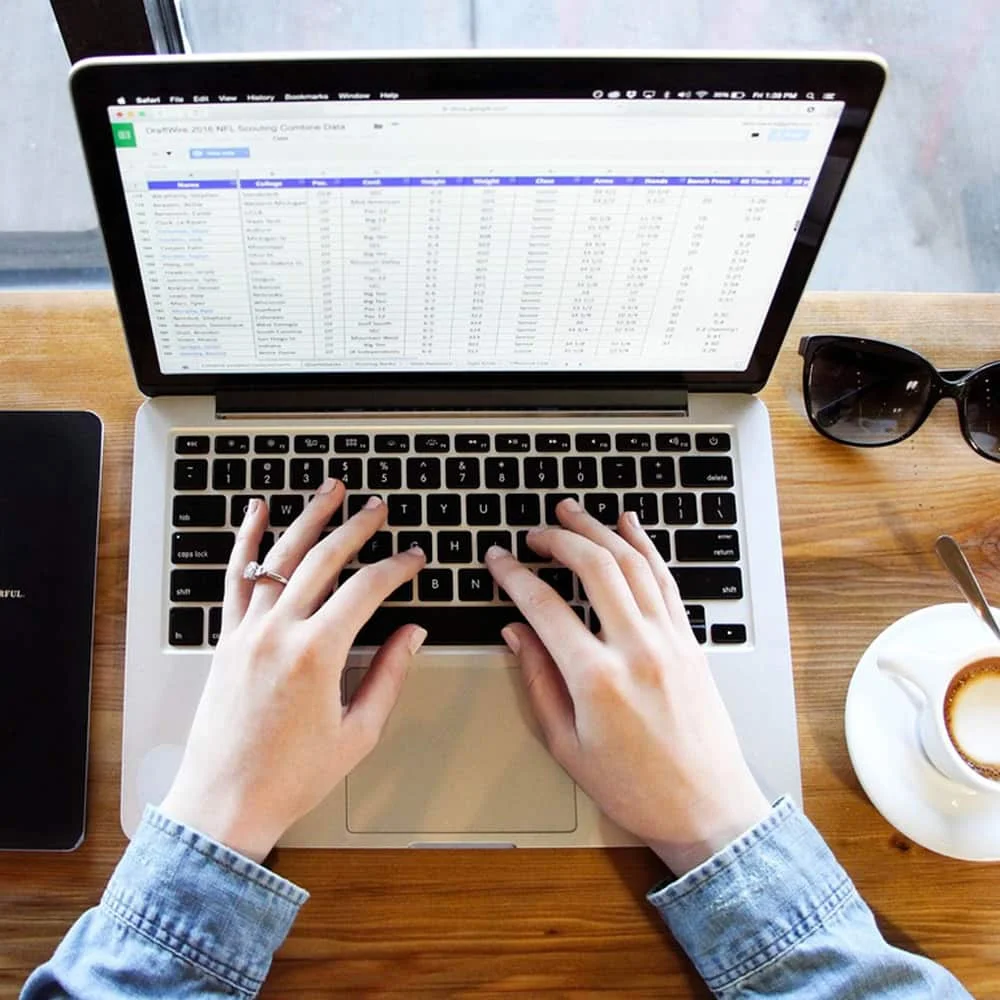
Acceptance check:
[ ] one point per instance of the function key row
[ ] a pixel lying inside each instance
(588, 443)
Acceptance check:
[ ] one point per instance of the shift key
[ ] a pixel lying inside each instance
(203, 586)
(706, 583)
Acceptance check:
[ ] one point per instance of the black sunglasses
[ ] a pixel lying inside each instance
(868, 393)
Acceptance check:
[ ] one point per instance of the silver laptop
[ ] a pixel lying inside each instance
(473, 283)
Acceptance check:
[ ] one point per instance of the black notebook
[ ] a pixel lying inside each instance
(50, 478)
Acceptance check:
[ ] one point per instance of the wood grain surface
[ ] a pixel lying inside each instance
(858, 530)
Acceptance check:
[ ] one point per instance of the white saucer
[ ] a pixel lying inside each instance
(881, 726)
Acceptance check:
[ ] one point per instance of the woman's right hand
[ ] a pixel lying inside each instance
(633, 714)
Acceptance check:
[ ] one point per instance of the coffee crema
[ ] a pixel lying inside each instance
(972, 716)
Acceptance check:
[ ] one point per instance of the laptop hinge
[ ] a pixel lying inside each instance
(235, 403)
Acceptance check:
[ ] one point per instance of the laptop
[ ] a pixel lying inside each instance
(472, 283)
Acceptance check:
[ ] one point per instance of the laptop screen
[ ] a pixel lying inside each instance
(618, 230)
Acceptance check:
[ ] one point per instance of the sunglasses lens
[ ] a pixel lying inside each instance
(982, 411)
(866, 397)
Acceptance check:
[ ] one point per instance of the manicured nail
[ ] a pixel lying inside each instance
(373, 503)
(569, 504)
(535, 531)
(510, 637)
(416, 550)
(328, 487)
(632, 518)
(496, 552)
(252, 506)
(416, 639)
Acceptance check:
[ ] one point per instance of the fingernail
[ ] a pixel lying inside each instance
(328, 487)
(510, 637)
(571, 505)
(372, 503)
(416, 639)
(632, 518)
(416, 550)
(535, 531)
(252, 506)
(496, 552)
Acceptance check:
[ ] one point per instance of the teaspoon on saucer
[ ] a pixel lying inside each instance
(954, 560)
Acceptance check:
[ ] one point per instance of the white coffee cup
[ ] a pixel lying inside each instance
(959, 710)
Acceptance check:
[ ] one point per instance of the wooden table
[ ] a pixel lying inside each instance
(858, 529)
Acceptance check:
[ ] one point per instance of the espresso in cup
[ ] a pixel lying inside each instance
(972, 716)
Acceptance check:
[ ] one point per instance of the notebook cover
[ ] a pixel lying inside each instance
(50, 484)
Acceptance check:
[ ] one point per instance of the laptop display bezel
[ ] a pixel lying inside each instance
(97, 84)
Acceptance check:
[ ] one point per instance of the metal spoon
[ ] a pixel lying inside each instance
(955, 562)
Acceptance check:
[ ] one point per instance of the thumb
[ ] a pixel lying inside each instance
(546, 688)
(378, 692)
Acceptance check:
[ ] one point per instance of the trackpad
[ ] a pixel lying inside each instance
(461, 753)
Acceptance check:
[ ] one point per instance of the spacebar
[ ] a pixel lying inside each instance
(446, 626)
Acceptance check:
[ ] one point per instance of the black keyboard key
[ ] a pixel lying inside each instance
(238, 507)
(191, 474)
(348, 471)
(271, 444)
(486, 539)
(379, 546)
(472, 442)
(214, 626)
(482, 508)
(525, 553)
(191, 444)
(461, 473)
(432, 442)
(673, 442)
(453, 626)
(551, 442)
(709, 471)
(729, 634)
(602, 506)
(199, 512)
(541, 473)
(595, 622)
(580, 473)
(707, 546)
(268, 474)
(350, 444)
(593, 442)
(661, 540)
(718, 508)
(404, 592)
(407, 539)
(695, 614)
(706, 583)
(679, 508)
(208, 548)
(186, 627)
(232, 444)
(229, 474)
(632, 442)
(423, 473)
(712, 442)
(266, 544)
(523, 508)
(454, 546)
(699, 633)
(442, 509)
(307, 473)
(355, 501)
(316, 444)
(552, 500)
(405, 509)
(285, 508)
(644, 505)
(618, 470)
(512, 442)
(435, 585)
(392, 442)
(336, 518)
(559, 579)
(475, 585)
(200, 586)
(657, 472)
(385, 473)
(502, 474)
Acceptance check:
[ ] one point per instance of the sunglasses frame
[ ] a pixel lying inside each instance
(948, 383)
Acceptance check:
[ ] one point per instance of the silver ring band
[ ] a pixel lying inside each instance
(253, 571)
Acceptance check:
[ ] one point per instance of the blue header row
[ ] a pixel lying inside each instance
(429, 182)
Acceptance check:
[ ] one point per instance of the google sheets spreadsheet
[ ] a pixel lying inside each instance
(425, 235)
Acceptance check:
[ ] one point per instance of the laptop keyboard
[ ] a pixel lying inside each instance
(456, 495)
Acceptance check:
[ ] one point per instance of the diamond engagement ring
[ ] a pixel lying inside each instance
(253, 571)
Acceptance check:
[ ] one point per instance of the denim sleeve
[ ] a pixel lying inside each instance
(773, 914)
(182, 916)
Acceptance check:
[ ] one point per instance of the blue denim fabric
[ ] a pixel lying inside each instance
(182, 916)
(773, 914)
